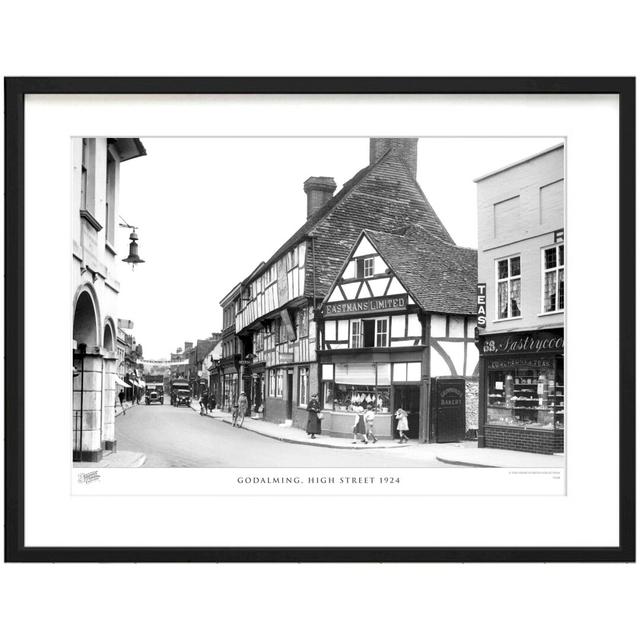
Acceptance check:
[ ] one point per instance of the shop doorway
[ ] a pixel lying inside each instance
(289, 395)
(448, 402)
(407, 397)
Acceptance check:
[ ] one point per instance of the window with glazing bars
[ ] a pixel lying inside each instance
(553, 279)
(509, 287)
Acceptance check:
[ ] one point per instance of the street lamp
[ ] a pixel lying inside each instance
(133, 258)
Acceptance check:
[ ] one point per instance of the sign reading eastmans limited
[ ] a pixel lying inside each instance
(365, 306)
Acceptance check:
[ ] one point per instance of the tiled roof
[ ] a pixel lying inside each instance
(385, 197)
(381, 195)
(441, 276)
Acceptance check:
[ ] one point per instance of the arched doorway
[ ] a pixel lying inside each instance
(107, 338)
(87, 380)
(85, 321)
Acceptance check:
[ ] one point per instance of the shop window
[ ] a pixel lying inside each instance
(530, 395)
(509, 287)
(553, 279)
(327, 395)
(303, 386)
(358, 384)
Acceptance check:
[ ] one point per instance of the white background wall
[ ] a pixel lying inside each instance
(464, 38)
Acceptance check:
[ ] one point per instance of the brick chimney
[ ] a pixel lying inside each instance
(188, 345)
(319, 191)
(406, 148)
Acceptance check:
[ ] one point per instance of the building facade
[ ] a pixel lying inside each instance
(274, 332)
(95, 166)
(521, 304)
(225, 372)
(394, 336)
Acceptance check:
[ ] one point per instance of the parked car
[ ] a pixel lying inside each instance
(154, 393)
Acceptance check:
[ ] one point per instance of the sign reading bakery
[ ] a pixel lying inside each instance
(512, 343)
(365, 306)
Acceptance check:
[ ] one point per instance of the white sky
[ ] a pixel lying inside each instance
(210, 209)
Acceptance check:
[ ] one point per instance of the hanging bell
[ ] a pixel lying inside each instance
(133, 258)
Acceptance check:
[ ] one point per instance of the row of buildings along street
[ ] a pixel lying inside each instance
(369, 305)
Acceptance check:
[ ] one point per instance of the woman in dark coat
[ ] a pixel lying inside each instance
(313, 424)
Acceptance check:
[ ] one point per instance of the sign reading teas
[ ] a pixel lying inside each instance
(482, 304)
(365, 306)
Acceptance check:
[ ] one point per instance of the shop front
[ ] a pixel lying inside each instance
(522, 398)
(384, 381)
(230, 382)
(254, 388)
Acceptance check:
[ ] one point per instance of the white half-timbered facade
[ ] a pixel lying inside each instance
(383, 338)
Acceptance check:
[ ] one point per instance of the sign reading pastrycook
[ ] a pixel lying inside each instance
(538, 342)
(365, 306)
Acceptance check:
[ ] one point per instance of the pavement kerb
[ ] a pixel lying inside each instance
(119, 411)
(311, 443)
(460, 463)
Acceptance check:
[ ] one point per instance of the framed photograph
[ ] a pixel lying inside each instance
(320, 319)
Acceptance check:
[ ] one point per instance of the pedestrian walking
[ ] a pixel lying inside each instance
(369, 418)
(138, 394)
(121, 397)
(204, 403)
(403, 424)
(212, 401)
(240, 410)
(314, 426)
(359, 427)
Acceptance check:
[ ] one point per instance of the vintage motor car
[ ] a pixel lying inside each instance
(180, 392)
(154, 393)
(183, 397)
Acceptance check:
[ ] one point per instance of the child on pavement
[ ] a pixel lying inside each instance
(403, 424)
(359, 427)
(369, 418)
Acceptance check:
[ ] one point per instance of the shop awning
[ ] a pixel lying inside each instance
(122, 383)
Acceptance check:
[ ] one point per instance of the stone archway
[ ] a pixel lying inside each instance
(85, 320)
(108, 339)
(88, 379)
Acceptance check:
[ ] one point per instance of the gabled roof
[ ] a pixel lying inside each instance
(440, 276)
(381, 195)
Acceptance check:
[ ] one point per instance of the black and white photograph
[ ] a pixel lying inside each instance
(292, 302)
(309, 304)
(361, 311)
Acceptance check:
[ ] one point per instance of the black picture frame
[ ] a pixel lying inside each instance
(15, 91)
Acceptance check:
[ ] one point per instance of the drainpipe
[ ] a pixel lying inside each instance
(82, 348)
